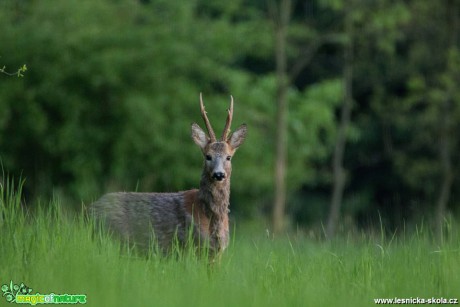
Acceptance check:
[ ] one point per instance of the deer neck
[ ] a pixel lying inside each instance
(215, 198)
(214, 195)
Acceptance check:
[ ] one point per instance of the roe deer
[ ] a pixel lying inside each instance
(161, 218)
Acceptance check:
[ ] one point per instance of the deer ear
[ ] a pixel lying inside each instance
(237, 137)
(199, 136)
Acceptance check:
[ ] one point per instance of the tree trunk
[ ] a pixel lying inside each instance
(445, 159)
(337, 167)
(281, 23)
(445, 136)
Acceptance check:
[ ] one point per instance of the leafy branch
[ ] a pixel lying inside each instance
(20, 72)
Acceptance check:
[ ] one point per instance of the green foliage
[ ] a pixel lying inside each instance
(430, 71)
(109, 101)
(313, 125)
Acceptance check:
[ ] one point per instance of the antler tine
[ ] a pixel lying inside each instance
(228, 122)
(212, 135)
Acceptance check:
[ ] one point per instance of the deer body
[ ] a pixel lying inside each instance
(162, 218)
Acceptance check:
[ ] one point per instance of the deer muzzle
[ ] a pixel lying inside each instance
(218, 172)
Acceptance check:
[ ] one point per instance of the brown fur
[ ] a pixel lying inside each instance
(195, 209)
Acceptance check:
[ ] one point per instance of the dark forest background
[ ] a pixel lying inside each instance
(352, 107)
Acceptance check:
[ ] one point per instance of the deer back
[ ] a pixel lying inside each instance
(153, 218)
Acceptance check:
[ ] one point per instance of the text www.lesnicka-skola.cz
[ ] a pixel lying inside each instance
(416, 300)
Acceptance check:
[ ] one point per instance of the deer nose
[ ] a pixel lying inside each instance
(218, 176)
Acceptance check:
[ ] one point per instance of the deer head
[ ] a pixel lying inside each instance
(218, 153)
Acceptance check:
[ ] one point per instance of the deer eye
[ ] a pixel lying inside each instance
(208, 157)
(229, 158)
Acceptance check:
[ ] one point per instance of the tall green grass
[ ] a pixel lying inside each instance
(54, 252)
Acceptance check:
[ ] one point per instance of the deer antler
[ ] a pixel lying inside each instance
(229, 121)
(211, 133)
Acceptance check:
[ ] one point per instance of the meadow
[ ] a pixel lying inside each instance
(52, 251)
